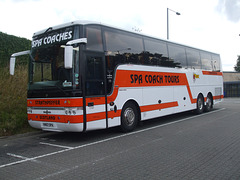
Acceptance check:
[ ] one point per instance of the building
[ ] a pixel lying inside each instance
(231, 76)
(231, 82)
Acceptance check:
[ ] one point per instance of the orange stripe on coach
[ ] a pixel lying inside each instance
(56, 118)
(212, 73)
(126, 78)
(158, 106)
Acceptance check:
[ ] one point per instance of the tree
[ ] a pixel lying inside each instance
(237, 66)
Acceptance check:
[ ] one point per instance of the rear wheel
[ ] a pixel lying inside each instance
(200, 104)
(129, 117)
(209, 103)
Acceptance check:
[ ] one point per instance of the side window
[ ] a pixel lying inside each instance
(94, 75)
(123, 43)
(156, 53)
(178, 55)
(121, 48)
(206, 60)
(193, 58)
(216, 66)
(94, 39)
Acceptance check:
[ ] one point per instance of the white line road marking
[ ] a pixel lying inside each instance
(21, 157)
(108, 139)
(17, 156)
(55, 145)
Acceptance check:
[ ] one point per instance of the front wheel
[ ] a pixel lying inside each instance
(200, 104)
(129, 117)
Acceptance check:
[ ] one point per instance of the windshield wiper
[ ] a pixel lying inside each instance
(55, 85)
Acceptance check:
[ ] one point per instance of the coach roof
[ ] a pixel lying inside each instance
(86, 22)
(82, 22)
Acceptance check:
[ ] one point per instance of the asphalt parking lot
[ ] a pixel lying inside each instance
(181, 146)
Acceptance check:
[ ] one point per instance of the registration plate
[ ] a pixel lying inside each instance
(48, 125)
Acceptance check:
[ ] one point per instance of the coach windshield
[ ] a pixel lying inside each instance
(47, 75)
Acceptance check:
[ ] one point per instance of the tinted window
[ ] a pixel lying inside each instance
(94, 75)
(178, 55)
(155, 46)
(156, 53)
(121, 48)
(120, 43)
(206, 60)
(193, 58)
(94, 39)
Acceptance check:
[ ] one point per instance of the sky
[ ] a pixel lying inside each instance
(212, 25)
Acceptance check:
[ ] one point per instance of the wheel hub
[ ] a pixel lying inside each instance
(200, 104)
(129, 116)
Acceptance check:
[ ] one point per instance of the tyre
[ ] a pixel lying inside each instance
(209, 103)
(129, 117)
(200, 104)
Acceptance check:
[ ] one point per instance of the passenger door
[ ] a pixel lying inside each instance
(95, 91)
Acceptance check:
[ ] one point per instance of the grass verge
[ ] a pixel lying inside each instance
(13, 101)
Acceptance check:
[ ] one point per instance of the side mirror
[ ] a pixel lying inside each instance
(68, 57)
(13, 59)
(68, 54)
(12, 65)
